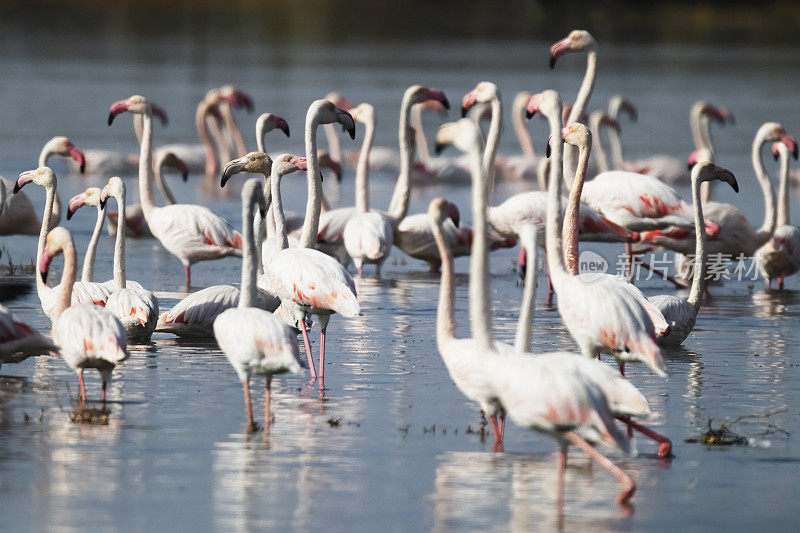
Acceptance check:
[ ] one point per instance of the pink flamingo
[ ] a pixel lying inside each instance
(779, 257)
(88, 336)
(191, 233)
(18, 341)
(83, 293)
(254, 340)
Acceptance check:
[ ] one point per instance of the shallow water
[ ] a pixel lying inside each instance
(391, 443)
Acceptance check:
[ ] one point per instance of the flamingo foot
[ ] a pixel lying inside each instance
(664, 444)
(629, 487)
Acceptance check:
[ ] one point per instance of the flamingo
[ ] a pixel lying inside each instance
(779, 257)
(227, 97)
(254, 340)
(88, 336)
(681, 314)
(136, 308)
(135, 223)
(19, 216)
(368, 235)
(18, 341)
(83, 293)
(545, 393)
(524, 166)
(191, 233)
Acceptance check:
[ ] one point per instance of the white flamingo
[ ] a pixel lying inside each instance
(368, 235)
(19, 216)
(18, 341)
(88, 336)
(135, 307)
(82, 293)
(191, 233)
(681, 314)
(254, 340)
(779, 257)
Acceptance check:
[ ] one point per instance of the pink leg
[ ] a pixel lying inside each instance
(562, 469)
(502, 426)
(188, 271)
(629, 266)
(322, 356)
(82, 387)
(621, 368)
(308, 350)
(498, 434)
(630, 486)
(103, 394)
(664, 444)
(360, 271)
(267, 401)
(248, 405)
(780, 283)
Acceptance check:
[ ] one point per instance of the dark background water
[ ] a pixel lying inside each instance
(392, 443)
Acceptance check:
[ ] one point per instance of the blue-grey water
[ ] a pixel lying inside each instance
(392, 444)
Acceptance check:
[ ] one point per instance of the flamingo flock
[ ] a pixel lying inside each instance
(302, 269)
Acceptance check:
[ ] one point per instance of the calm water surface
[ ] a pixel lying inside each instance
(391, 443)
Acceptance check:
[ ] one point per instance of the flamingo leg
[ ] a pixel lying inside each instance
(267, 401)
(621, 368)
(82, 387)
(629, 265)
(502, 426)
(664, 444)
(780, 283)
(605, 462)
(248, 405)
(308, 350)
(562, 470)
(103, 393)
(188, 271)
(322, 332)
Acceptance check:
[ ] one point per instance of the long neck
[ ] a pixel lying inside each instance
(50, 193)
(445, 315)
(694, 125)
(783, 192)
(314, 204)
(233, 130)
(579, 108)
(261, 224)
(64, 295)
(570, 232)
(146, 194)
(44, 155)
(201, 124)
(250, 260)
(555, 258)
(419, 133)
(398, 206)
(768, 226)
(523, 135)
(87, 274)
(120, 278)
(704, 135)
(522, 341)
(596, 126)
(277, 211)
(698, 279)
(479, 312)
(362, 169)
(162, 185)
(493, 141)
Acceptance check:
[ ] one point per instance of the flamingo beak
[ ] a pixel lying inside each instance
(439, 147)
(727, 176)
(77, 155)
(346, 120)
(242, 99)
(44, 263)
(24, 179)
(160, 113)
(300, 162)
(282, 125)
(631, 109)
(337, 170)
(692, 161)
(533, 105)
(469, 100)
(76, 203)
(790, 143)
(775, 151)
(104, 197)
(454, 213)
(232, 168)
(117, 108)
(549, 148)
(559, 49)
(436, 94)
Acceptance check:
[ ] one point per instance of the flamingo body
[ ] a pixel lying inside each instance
(90, 337)
(18, 341)
(368, 238)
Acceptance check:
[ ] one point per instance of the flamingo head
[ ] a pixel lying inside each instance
(364, 113)
(62, 146)
(601, 118)
(42, 176)
(169, 159)
(620, 104)
(268, 122)
(114, 188)
(235, 97)
(417, 94)
(90, 196)
(325, 160)
(464, 134)
(438, 211)
(721, 115)
(288, 163)
(547, 103)
(57, 241)
(454, 214)
(704, 154)
(339, 101)
(576, 41)
(484, 92)
(254, 163)
(137, 104)
(576, 134)
(434, 106)
(774, 132)
(325, 112)
(708, 171)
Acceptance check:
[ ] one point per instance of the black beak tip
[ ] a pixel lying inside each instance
(44, 276)
(286, 131)
(795, 153)
(552, 62)
(548, 150)
(223, 180)
(16, 188)
(70, 212)
(439, 148)
(689, 166)
(529, 114)
(352, 132)
(321, 177)
(185, 175)
(83, 167)
(735, 185)
(103, 204)
(463, 111)
(110, 118)
(446, 104)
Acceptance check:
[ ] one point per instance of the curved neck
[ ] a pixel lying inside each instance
(398, 206)
(571, 217)
(201, 124)
(247, 294)
(555, 258)
(50, 194)
(596, 126)
(523, 135)
(421, 140)
(579, 108)
(64, 295)
(479, 304)
(120, 278)
(445, 314)
(233, 130)
(783, 218)
(87, 274)
(162, 185)
(768, 225)
(308, 238)
(522, 341)
(362, 169)
(493, 141)
(44, 155)
(277, 211)
(260, 228)
(146, 194)
(694, 125)
(704, 136)
(698, 278)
